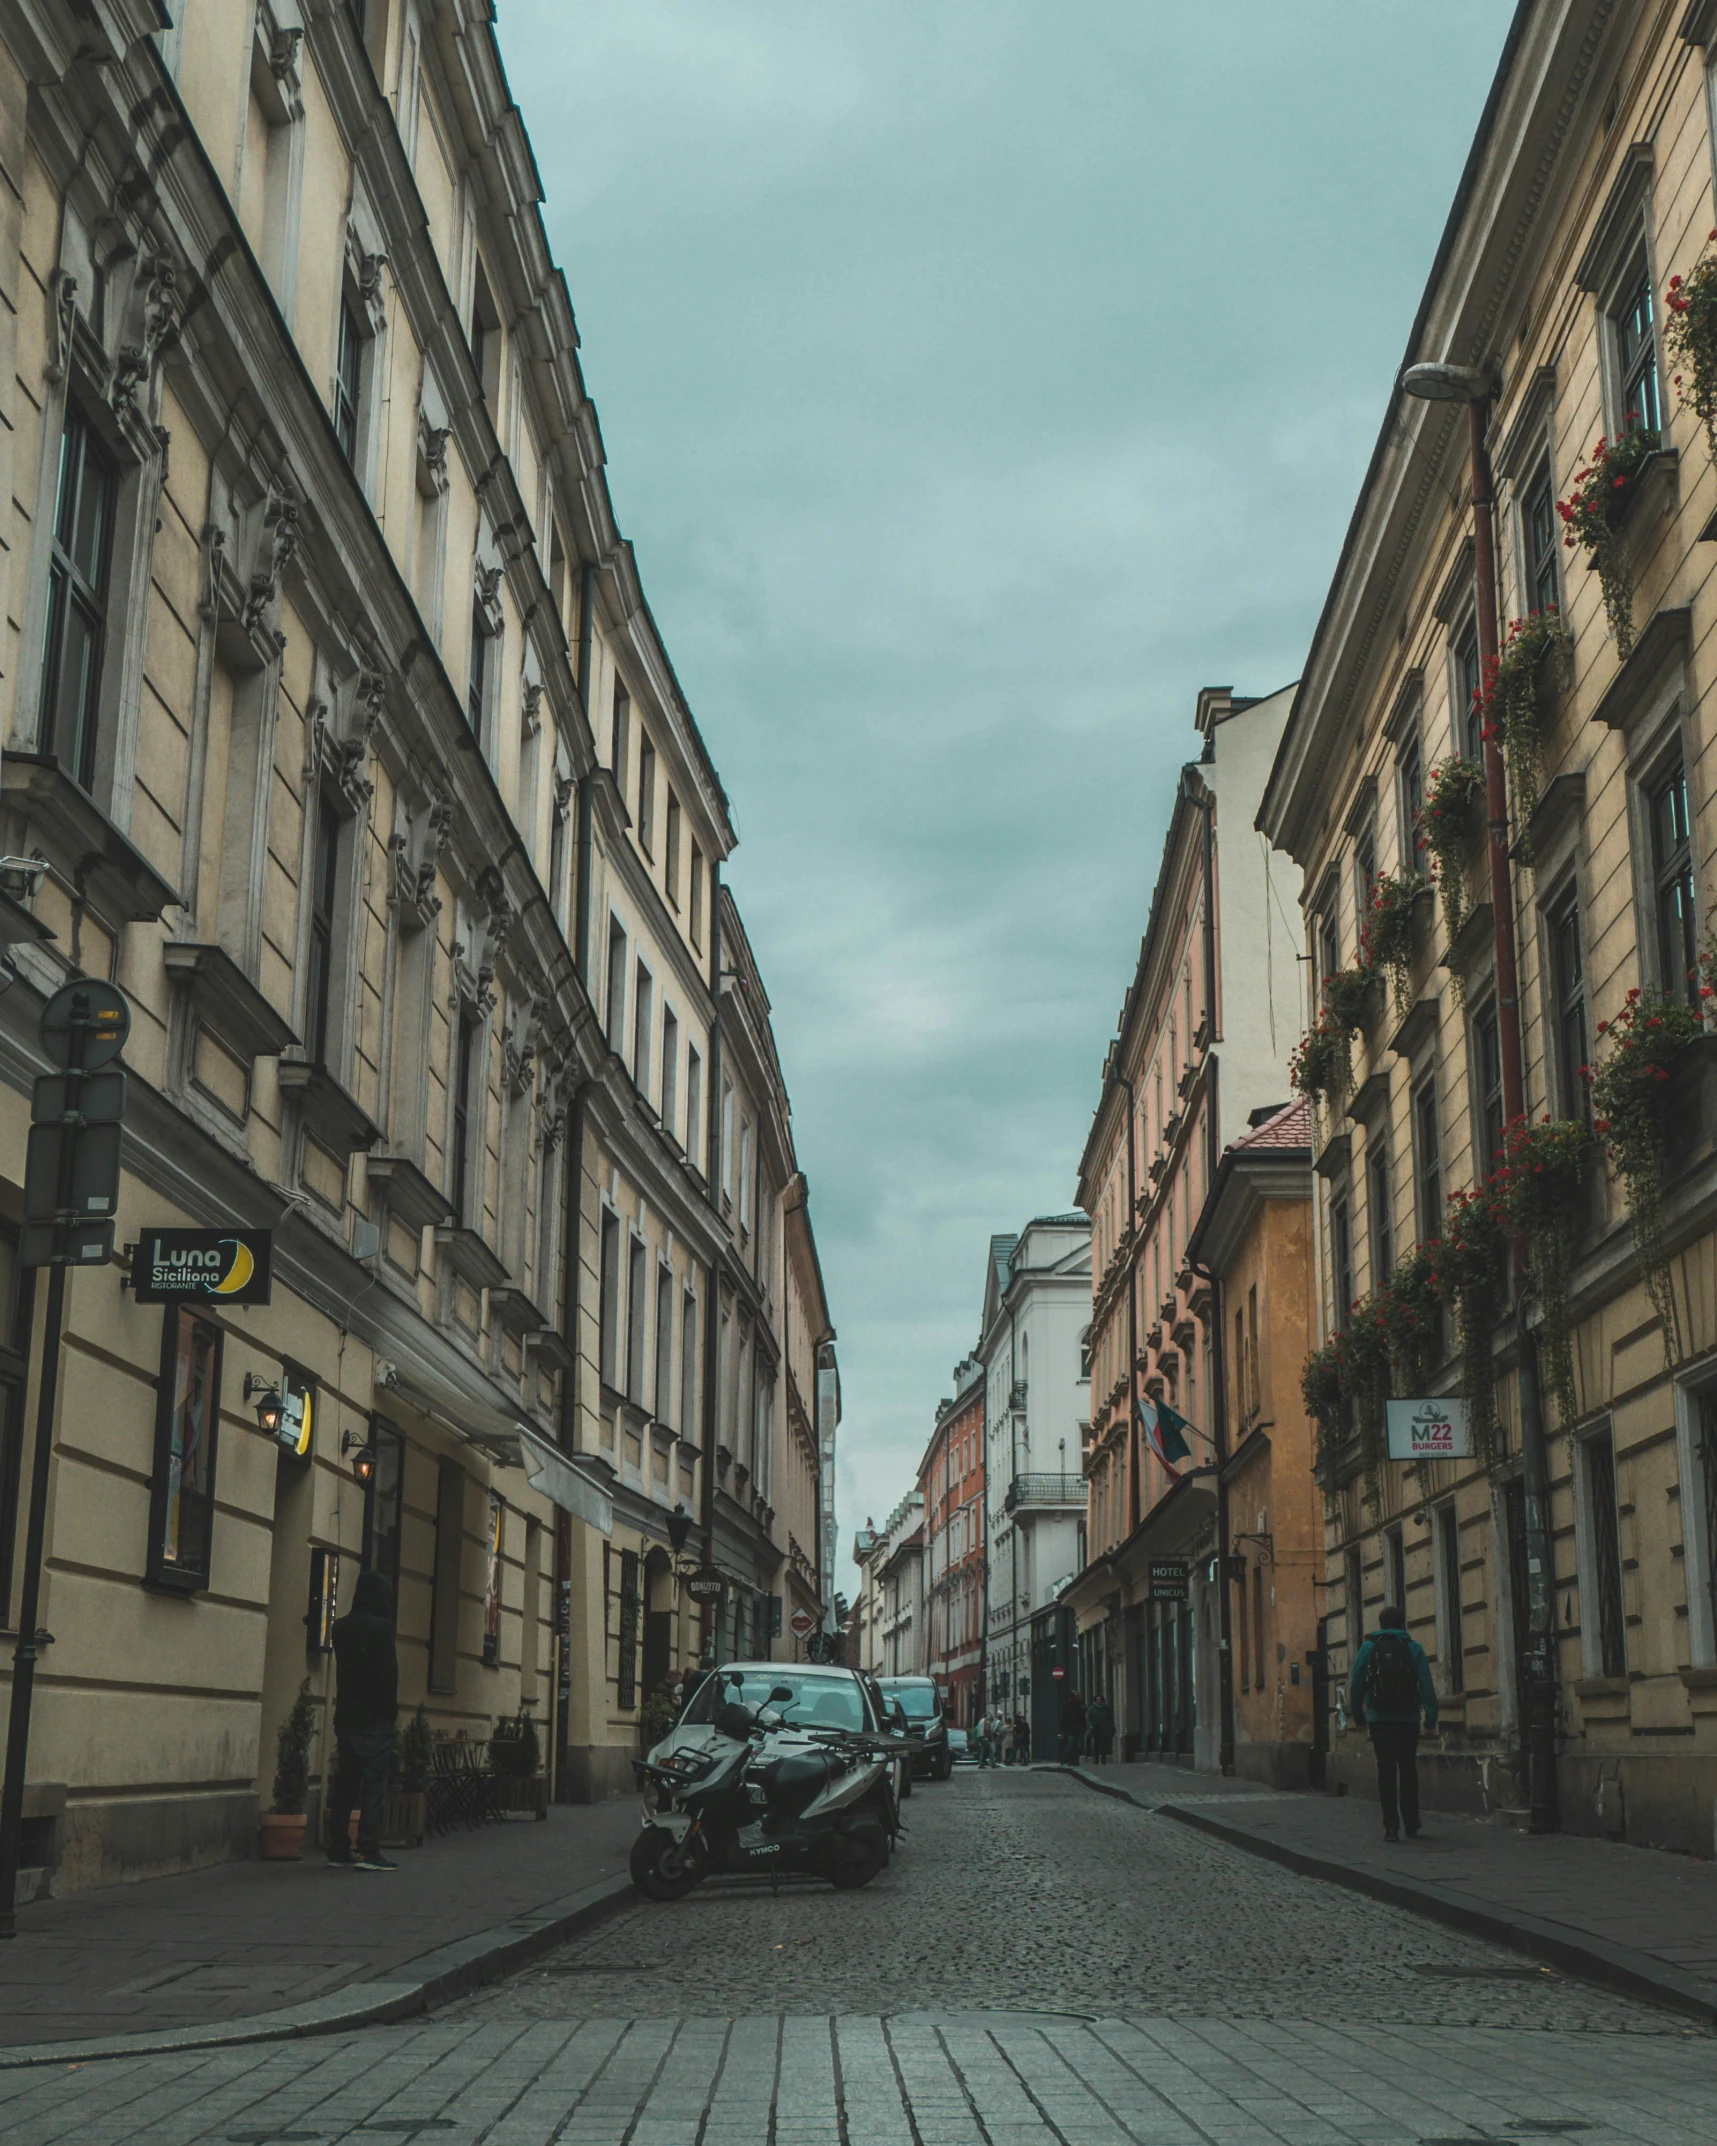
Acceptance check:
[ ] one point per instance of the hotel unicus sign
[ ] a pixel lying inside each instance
(1168, 1579)
(187, 1266)
(1429, 1430)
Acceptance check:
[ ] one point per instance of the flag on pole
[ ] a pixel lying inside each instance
(1165, 1433)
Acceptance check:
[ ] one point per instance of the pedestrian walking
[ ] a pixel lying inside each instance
(1021, 1740)
(1389, 1690)
(987, 1726)
(1101, 1723)
(1072, 1726)
(365, 1704)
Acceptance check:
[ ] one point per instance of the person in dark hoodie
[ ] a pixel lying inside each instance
(365, 1704)
(1390, 1688)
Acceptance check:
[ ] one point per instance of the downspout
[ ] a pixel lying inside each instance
(572, 1231)
(712, 1324)
(581, 914)
(1134, 1514)
(1219, 1415)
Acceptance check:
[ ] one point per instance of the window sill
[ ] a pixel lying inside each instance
(88, 852)
(325, 1103)
(182, 1584)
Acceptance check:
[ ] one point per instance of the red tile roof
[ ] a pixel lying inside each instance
(1291, 1127)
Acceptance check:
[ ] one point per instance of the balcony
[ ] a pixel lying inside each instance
(1045, 1493)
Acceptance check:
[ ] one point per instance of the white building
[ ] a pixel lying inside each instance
(1037, 1305)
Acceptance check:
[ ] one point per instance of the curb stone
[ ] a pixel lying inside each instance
(1593, 1959)
(420, 1985)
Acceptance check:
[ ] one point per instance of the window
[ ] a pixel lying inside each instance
(1605, 1562)
(643, 1012)
(1468, 722)
(1395, 1568)
(688, 1366)
(486, 337)
(16, 1303)
(1427, 1160)
(464, 1084)
(384, 1501)
(1353, 1613)
(697, 896)
(1258, 1676)
(670, 1072)
(492, 1543)
(1449, 1579)
(609, 1303)
(348, 380)
(1705, 1436)
(1538, 540)
(1672, 873)
(1379, 1222)
(477, 678)
(671, 855)
(1636, 354)
(1487, 1090)
(635, 1308)
(1329, 961)
(1364, 870)
(1341, 1263)
(1245, 1627)
(77, 598)
(727, 1141)
(646, 796)
(324, 891)
(1254, 1382)
(664, 1396)
(616, 984)
(1410, 789)
(745, 1167)
(694, 1107)
(1568, 985)
(187, 1431)
(618, 732)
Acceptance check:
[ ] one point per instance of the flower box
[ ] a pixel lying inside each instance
(525, 1793)
(405, 1818)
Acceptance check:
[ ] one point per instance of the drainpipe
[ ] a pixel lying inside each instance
(581, 913)
(1134, 1457)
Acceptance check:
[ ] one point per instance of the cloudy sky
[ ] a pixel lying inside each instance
(978, 380)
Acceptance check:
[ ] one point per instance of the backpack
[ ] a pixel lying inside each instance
(1392, 1679)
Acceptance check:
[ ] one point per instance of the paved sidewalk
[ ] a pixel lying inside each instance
(1636, 1919)
(299, 1947)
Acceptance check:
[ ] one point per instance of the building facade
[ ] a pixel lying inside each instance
(338, 733)
(1254, 1240)
(1202, 1044)
(900, 1591)
(1031, 1348)
(951, 1484)
(1589, 190)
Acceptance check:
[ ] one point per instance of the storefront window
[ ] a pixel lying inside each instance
(187, 1420)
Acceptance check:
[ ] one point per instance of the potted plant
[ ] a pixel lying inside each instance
(1321, 1391)
(1466, 1270)
(655, 1717)
(1630, 1093)
(1538, 1188)
(1319, 1065)
(515, 1759)
(405, 1813)
(1593, 515)
(1515, 700)
(282, 1825)
(1388, 939)
(1690, 339)
(1449, 817)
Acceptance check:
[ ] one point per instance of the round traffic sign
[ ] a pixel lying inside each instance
(803, 1623)
(101, 1011)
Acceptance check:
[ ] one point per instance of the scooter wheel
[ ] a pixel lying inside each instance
(858, 1858)
(649, 1851)
(905, 1781)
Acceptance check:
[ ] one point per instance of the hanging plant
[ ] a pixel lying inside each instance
(1690, 338)
(1592, 517)
(1630, 1096)
(1412, 1321)
(1321, 1390)
(1449, 817)
(1347, 998)
(1466, 1271)
(1319, 1065)
(1387, 937)
(1512, 703)
(1538, 1190)
(1365, 1383)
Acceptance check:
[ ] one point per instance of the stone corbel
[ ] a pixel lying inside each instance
(214, 565)
(532, 716)
(65, 307)
(487, 589)
(519, 1044)
(563, 789)
(275, 543)
(432, 455)
(368, 272)
(156, 315)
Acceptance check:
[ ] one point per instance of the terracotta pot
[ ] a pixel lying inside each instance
(282, 1836)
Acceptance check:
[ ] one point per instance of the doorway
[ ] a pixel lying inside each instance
(658, 1621)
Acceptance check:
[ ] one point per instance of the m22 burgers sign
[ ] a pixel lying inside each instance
(1429, 1430)
(187, 1266)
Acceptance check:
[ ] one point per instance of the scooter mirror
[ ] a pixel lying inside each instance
(781, 1692)
(734, 1721)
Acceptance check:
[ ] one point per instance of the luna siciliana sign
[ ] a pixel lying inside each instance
(186, 1266)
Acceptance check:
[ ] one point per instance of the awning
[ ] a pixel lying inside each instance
(500, 1435)
(549, 1470)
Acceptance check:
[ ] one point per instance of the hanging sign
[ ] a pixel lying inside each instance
(1168, 1579)
(1429, 1430)
(706, 1586)
(174, 1266)
(296, 1429)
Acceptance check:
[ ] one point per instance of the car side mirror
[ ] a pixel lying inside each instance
(897, 1715)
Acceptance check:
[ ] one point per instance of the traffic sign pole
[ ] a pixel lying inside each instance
(84, 1022)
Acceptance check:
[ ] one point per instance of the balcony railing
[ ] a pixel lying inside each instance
(1027, 1492)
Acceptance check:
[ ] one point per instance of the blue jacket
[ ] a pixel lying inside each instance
(1362, 1671)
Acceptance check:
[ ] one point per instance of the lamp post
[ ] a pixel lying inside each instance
(1470, 385)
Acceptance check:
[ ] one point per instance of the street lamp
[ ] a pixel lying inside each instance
(1447, 382)
(363, 1456)
(267, 1400)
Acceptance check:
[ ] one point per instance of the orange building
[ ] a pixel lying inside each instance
(951, 1479)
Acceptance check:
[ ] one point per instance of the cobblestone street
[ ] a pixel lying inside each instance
(1038, 1965)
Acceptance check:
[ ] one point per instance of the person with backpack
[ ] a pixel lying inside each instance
(365, 1706)
(1389, 1689)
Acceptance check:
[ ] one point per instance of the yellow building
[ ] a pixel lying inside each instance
(339, 734)
(1589, 188)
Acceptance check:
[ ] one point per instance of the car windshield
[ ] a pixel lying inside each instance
(829, 1702)
(917, 1701)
